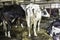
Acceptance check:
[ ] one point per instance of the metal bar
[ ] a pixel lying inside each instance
(45, 2)
(37, 2)
(5, 1)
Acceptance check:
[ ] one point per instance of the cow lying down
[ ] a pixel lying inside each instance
(54, 29)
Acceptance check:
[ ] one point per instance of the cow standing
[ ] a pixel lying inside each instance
(34, 15)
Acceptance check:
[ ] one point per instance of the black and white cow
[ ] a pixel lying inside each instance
(9, 14)
(54, 29)
(34, 15)
(56, 37)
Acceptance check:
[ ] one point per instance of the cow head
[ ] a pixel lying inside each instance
(45, 13)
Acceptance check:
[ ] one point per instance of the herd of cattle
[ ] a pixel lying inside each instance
(9, 14)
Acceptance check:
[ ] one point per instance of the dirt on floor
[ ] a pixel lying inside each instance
(22, 34)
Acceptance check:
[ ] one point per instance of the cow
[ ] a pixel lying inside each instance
(9, 14)
(34, 15)
(54, 29)
(56, 37)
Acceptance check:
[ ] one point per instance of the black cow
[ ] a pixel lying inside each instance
(10, 14)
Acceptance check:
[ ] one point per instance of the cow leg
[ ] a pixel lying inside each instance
(29, 29)
(13, 20)
(9, 34)
(6, 33)
(9, 28)
(51, 34)
(35, 33)
(17, 22)
(39, 24)
(28, 24)
(4, 27)
(52, 31)
(22, 25)
(1, 23)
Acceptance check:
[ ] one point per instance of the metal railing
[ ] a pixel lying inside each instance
(27, 2)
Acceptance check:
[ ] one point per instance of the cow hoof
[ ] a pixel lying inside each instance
(16, 26)
(9, 36)
(5, 34)
(38, 30)
(51, 35)
(29, 35)
(22, 25)
(35, 35)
